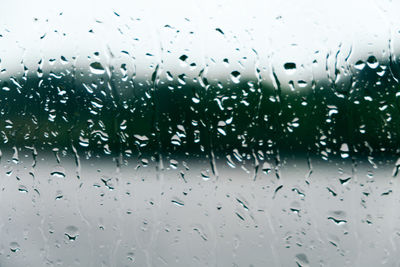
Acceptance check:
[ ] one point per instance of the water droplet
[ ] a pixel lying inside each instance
(344, 180)
(195, 100)
(226, 62)
(175, 140)
(59, 195)
(302, 260)
(230, 161)
(84, 142)
(344, 150)
(302, 83)
(183, 57)
(235, 76)
(205, 175)
(220, 31)
(23, 189)
(372, 62)
(337, 221)
(178, 202)
(290, 67)
(15, 157)
(396, 168)
(141, 140)
(108, 183)
(97, 68)
(58, 172)
(131, 256)
(71, 232)
(221, 131)
(173, 163)
(14, 247)
(359, 65)
(63, 60)
(266, 168)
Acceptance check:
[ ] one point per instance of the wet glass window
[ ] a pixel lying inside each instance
(199, 133)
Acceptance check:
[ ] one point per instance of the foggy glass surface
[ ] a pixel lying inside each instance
(200, 133)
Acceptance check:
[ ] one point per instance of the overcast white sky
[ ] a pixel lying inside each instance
(279, 31)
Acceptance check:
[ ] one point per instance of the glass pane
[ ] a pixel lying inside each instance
(199, 133)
